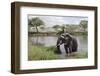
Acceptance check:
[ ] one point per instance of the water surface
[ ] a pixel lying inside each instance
(51, 41)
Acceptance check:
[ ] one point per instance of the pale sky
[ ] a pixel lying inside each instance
(59, 20)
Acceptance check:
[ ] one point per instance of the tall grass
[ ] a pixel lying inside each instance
(48, 53)
(41, 53)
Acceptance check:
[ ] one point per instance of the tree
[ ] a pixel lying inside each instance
(56, 27)
(42, 27)
(63, 28)
(83, 24)
(71, 28)
(35, 22)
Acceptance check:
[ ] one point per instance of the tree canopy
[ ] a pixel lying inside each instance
(83, 24)
(35, 22)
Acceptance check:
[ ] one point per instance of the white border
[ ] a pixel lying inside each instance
(25, 64)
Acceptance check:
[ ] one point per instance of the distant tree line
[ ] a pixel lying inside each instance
(37, 22)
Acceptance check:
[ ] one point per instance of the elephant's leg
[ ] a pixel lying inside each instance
(70, 49)
(66, 48)
(74, 46)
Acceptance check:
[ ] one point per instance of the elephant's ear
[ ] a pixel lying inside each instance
(59, 41)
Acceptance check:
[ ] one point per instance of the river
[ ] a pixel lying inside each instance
(51, 41)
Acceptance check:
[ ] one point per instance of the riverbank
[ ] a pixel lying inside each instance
(54, 33)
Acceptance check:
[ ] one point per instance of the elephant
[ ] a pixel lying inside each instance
(70, 43)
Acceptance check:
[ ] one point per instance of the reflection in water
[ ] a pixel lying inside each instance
(51, 41)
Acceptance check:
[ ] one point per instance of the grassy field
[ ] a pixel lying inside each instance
(37, 52)
(41, 53)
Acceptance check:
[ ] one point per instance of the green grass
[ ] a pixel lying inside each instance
(41, 53)
(37, 52)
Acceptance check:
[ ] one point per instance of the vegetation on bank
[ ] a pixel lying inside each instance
(37, 52)
(42, 53)
(55, 34)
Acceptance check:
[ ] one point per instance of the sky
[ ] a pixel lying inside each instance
(59, 20)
